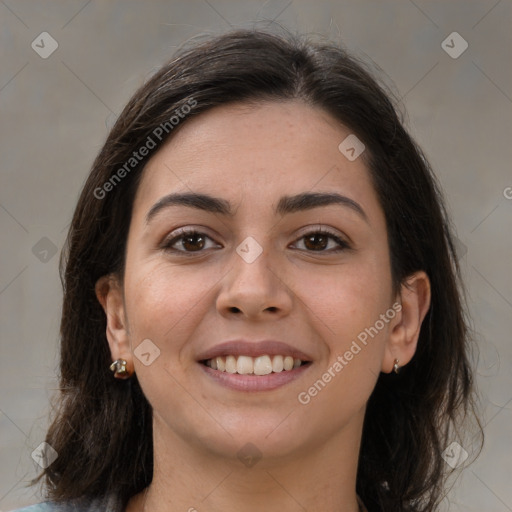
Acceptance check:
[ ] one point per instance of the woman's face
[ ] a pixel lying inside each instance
(260, 272)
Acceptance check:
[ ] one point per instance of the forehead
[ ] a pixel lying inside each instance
(257, 152)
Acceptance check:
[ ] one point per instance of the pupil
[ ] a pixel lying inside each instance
(189, 240)
(315, 237)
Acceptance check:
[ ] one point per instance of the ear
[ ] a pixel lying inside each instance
(110, 295)
(414, 297)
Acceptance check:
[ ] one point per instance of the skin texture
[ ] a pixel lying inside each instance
(297, 292)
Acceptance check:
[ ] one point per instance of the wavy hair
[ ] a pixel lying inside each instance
(102, 427)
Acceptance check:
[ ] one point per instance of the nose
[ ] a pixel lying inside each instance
(255, 289)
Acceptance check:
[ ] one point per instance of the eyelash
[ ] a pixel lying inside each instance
(167, 245)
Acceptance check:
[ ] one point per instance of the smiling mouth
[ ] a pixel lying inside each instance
(256, 366)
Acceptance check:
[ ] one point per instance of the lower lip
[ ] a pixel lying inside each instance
(255, 382)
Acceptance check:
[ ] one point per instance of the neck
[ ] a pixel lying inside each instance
(186, 478)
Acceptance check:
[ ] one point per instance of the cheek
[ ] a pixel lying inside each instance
(341, 386)
(159, 297)
(347, 317)
(162, 305)
(346, 298)
(345, 303)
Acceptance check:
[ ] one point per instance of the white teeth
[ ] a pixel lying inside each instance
(288, 363)
(246, 365)
(262, 365)
(231, 364)
(277, 364)
(221, 363)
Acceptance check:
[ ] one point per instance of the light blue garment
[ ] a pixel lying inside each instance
(107, 504)
(39, 507)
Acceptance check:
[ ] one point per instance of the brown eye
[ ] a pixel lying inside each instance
(318, 241)
(193, 242)
(187, 241)
(190, 241)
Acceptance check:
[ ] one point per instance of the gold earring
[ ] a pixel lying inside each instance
(119, 369)
(396, 367)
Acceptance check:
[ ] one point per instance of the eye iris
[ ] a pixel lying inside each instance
(189, 239)
(315, 237)
(195, 241)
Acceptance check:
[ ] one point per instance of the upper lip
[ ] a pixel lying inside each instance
(253, 349)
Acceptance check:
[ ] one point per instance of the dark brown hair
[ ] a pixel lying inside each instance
(102, 427)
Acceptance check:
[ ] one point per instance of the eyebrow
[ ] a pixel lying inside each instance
(286, 204)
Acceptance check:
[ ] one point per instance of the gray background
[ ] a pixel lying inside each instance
(55, 115)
